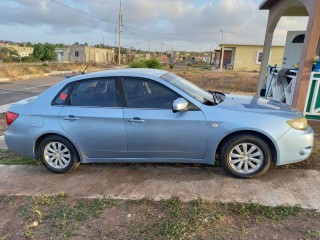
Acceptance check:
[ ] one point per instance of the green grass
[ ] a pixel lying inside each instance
(9, 158)
(273, 213)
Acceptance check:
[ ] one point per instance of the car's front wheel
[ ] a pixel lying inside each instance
(58, 155)
(245, 156)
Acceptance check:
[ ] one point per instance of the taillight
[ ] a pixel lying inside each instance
(10, 117)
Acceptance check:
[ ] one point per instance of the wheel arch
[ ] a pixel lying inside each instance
(267, 139)
(43, 136)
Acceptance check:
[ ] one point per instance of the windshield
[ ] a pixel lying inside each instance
(189, 88)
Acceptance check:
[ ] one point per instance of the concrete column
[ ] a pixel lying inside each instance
(221, 58)
(265, 61)
(306, 62)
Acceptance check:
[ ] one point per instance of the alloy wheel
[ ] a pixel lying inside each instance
(246, 158)
(57, 155)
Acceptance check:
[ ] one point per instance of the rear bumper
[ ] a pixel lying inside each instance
(295, 146)
(19, 142)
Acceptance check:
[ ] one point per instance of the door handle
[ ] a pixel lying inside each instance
(71, 118)
(136, 120)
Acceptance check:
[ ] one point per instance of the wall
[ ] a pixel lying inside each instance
(90, 54)
(246, 57)
(73, 58)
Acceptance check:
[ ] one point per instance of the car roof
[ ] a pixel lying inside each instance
(125, 72)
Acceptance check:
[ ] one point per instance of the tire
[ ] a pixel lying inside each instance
(58, 154)
(245, 156)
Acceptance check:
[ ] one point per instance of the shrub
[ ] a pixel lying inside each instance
(28, 59)
(149, 63)
(138, 64)
(153, 63)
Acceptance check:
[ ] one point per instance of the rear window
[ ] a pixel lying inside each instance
(61, 98)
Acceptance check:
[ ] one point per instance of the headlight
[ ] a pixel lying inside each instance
(298, 123)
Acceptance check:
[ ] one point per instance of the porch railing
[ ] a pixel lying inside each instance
(281, 88)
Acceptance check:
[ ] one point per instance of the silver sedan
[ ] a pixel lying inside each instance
(145, 115)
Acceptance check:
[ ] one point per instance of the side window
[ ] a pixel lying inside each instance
(142, 93)
(94, 93)
(61, 98)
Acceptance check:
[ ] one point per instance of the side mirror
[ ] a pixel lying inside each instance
(179, 104)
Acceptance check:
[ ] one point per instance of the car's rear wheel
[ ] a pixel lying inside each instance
(245, 156)
(58, 155)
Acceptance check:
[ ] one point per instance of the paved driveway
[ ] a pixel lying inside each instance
(277, 187)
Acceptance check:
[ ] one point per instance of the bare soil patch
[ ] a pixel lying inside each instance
(16, 71)
(60, 217)
(224, 81)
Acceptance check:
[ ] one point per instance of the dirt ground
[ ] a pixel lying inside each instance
(224, 81)
(15, 71)
(61, 217)
(3, 125)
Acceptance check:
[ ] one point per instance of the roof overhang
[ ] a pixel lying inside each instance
(295, 8)
(266, 4)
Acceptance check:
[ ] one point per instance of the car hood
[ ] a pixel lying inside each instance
(259, 105)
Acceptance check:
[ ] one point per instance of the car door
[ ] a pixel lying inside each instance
(153, 130)
(93, 118)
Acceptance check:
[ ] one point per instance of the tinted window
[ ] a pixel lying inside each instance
(143, 93)
(62, 96)
(95, 93)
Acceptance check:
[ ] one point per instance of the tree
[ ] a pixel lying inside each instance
(49, 53)
(38, 51)
(44, 52)
(8, 55)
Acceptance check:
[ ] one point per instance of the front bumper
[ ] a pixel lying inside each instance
(295, 146)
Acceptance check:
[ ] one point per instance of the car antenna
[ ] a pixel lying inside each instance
(84, 71)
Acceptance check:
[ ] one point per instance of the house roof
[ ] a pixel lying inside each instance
(240, 44)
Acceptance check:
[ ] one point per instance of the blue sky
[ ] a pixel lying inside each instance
(197, 23)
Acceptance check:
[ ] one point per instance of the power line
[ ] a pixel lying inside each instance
(174, 34)
(136, 43)
(85, 13)
(133, 28)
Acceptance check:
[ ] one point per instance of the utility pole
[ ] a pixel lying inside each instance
(149, 49)
(120, 32)
(115, 37)
(161, 50)
(221, 36)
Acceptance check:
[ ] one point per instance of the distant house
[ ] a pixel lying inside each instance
(164, 59)
(62, 54)
(246, 57)
(22, 51)
(85, 54)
